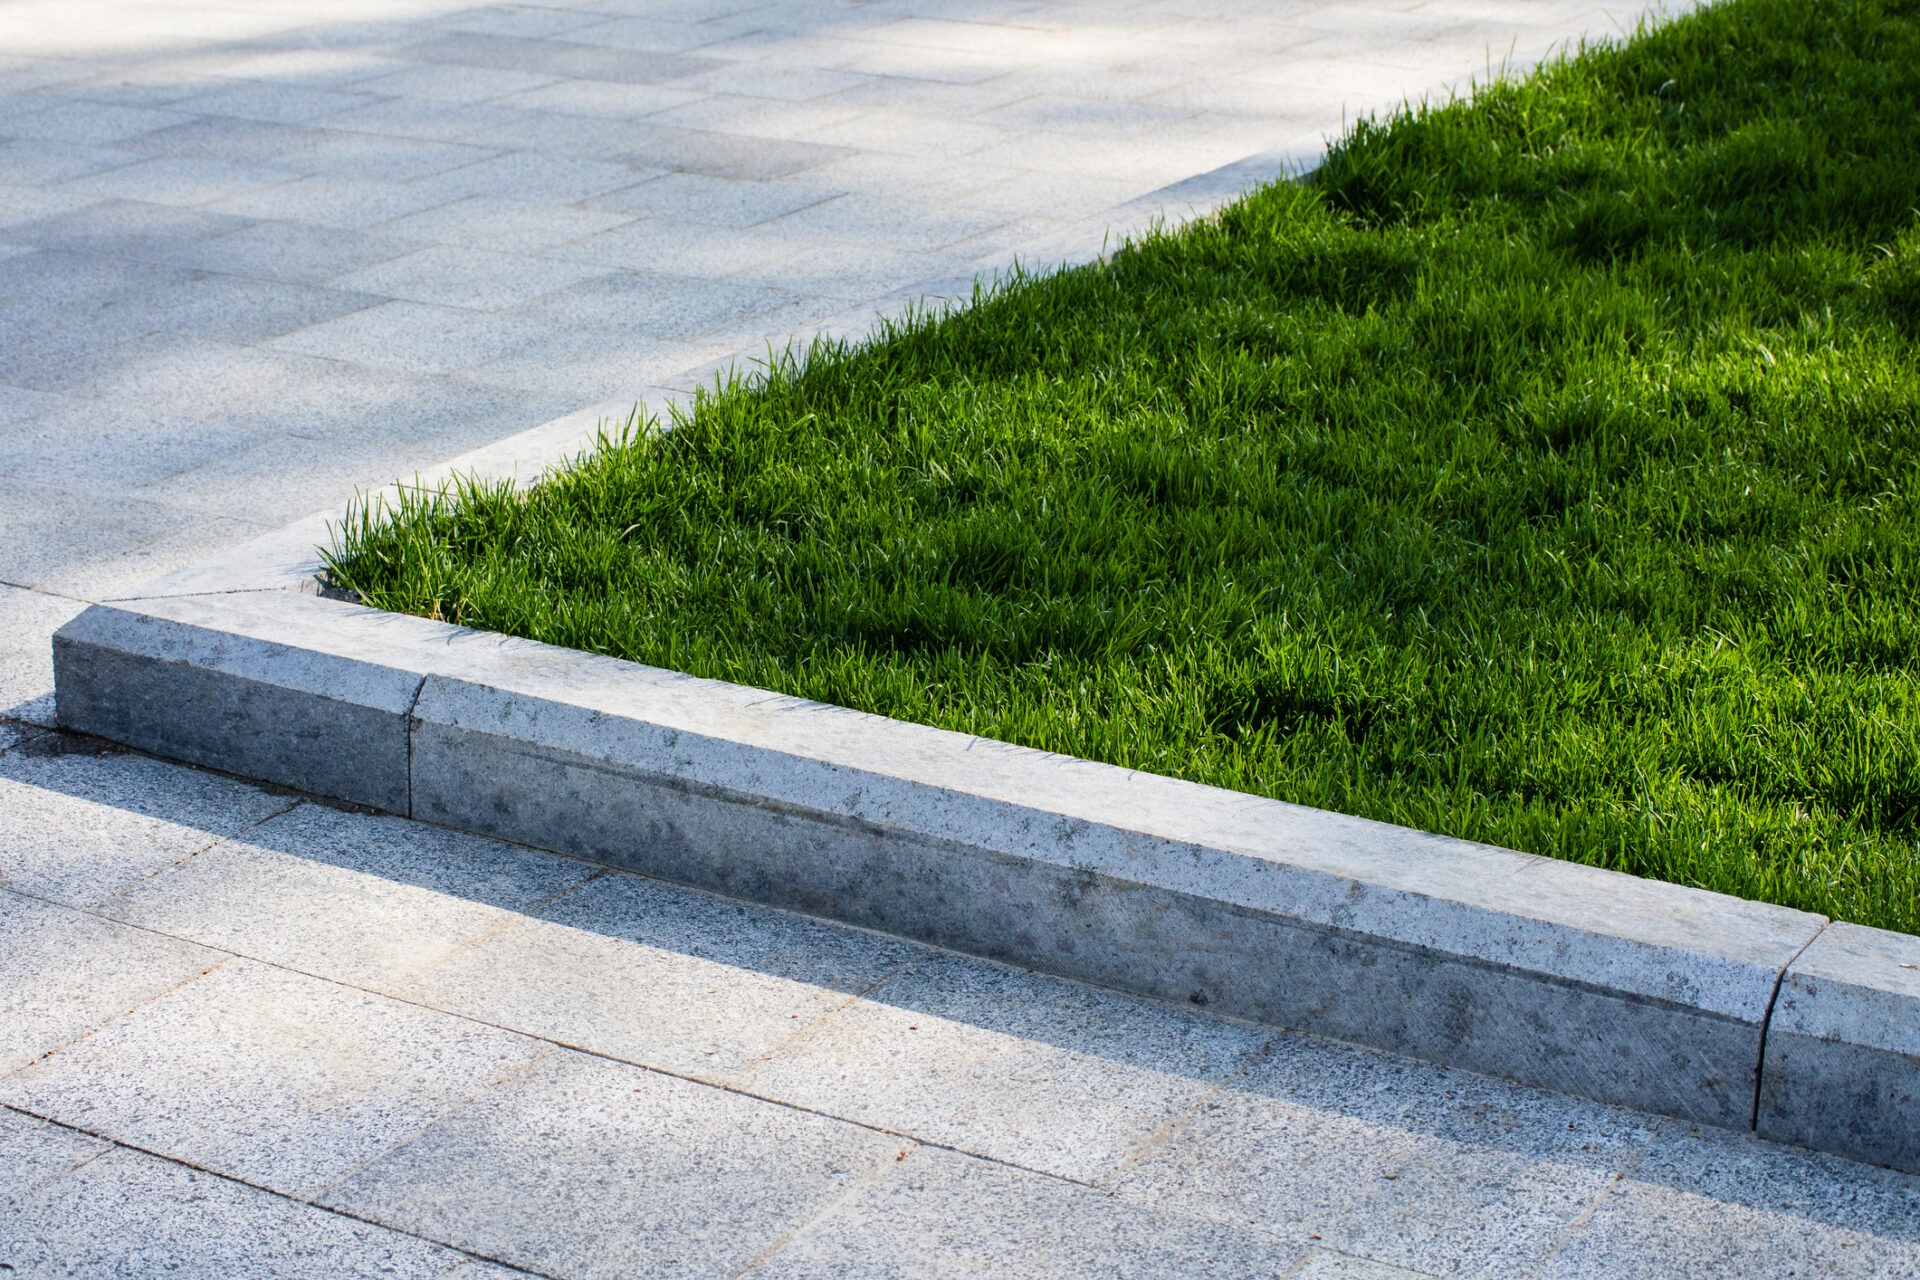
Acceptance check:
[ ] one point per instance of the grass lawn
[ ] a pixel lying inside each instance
(1544, 471)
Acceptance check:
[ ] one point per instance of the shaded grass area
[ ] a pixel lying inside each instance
(1545, 471)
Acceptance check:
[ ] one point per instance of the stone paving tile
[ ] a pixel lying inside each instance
(423, 119)
(115, 449)
(1721, 1205)
(276, 1078)
(287, 472)
(864, 217)
(514, 226)
(465, 276)
(453, 83)
(47, 1000)
(554, 139)
(233, 309)
(34, 1153)
(81, 820)
(1327, 1265)
(779, 119)
(678, 307)
(716, 202)
(596, 364)
(416, 336)
(92, 123)
(582, 1168)
(346, 203)
(18, 403)
(120, 572)
(226, 139)
(1391, 1159)
(533, 175)
(660, 976)
(602, 99)
(293, 252)
(663, 246)
(130, 1214)
(183, 181)
(123, 228)
(363, 156)
(28, 620)
(939, 1213)
(20, 204)
(368, 900)
(277, 102)
(69, 530)
(727, 155)
(73, 283)
(1019, 1067)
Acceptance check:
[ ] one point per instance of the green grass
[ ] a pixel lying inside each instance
(1545, 471)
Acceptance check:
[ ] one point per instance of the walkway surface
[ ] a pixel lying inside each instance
(255, 256)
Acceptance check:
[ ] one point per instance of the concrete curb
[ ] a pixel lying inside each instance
(1579, 980)
(1588, 982)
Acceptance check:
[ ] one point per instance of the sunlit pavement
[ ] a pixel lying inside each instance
(253, 257)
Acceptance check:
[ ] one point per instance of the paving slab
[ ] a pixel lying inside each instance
(130, 1214)
(79, 820)
(1400, 1162)
(941, 1213)
(1711, 1205)
(28, 620)
(278, 145)
(583, 1168)
(278, 1079)
(1029, 1070)
(660, 976)
(360, 899)
(34, 1153)
(64, 973)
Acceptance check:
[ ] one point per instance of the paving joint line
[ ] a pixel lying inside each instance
(113, 1143)
(552, 1043)
(1766, 1023)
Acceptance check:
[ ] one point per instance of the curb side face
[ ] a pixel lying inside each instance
(1842, 1069)
(110, 683)
(1500, 1020)
(321, 696)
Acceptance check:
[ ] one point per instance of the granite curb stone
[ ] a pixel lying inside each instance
(1549, 973)
(1842, 1067)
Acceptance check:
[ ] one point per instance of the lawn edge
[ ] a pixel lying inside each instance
(1589, 982)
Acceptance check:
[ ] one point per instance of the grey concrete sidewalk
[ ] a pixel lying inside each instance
(249, 1035)
(253, 257)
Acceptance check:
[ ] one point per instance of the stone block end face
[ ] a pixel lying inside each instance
(211, 697)
(1842, 1068)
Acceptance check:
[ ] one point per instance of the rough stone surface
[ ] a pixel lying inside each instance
(281, 1080)
(1721, 1206)
(653, 1176)
(939, 1213)
(380, 899)
(1842, 1069)
(332, 723)
(130, 1214)
(64, 973)
(660, 976)
(165, 172)
(1552, 974)
(79, 820)
(1023, 1068)
(1397, 1161)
